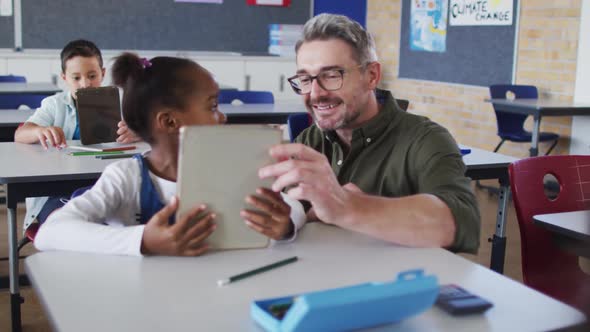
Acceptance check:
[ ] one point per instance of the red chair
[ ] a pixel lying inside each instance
(545, 266)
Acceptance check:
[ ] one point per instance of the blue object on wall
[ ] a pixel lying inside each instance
(355, 9)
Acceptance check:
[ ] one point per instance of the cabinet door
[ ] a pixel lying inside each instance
(271, 75)
(227, 73)
(3, 69)
(35, 70)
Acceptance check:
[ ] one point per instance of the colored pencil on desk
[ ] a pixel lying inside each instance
(223, 282)
(94, 153)
(116, 156)
(98, 148)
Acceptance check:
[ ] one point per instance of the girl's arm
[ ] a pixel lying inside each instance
(79, 225)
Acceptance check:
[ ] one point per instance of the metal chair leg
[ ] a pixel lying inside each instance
(551, 147)
(23, 242)
(499, 145)
(490, 189)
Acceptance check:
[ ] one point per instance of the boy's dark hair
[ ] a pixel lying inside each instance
(150, 85)
(79, 47)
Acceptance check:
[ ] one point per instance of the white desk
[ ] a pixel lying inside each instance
(13, 117)
(29, 171)
(10, 120)
(485, 165)
(29, 88)
(84, 292)
(261, 113)
(571, 230)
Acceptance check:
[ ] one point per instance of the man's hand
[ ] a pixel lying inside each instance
(310, 177)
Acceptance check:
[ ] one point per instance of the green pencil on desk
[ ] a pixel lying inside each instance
(94, 153)
(223, 282)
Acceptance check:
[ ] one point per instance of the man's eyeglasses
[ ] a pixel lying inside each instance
(329, 80)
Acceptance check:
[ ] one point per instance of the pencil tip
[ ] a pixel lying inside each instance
(222, 282)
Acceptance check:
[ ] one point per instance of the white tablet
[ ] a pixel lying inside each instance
(218, 166)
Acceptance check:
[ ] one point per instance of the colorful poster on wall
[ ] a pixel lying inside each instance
(428, 25)
(481, 12)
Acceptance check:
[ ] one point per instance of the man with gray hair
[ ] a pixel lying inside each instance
(365, 164)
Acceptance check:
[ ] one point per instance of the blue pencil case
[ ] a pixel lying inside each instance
(349, 308)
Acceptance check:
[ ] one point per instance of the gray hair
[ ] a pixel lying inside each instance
(331, 26)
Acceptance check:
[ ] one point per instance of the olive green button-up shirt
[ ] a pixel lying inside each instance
(399, 154)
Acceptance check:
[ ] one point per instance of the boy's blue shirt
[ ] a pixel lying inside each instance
(58, 110)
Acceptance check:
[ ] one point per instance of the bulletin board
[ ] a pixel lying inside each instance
(474, 55)
(6, 32)
(231, 26)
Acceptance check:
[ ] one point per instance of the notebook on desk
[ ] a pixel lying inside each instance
(218, 166)
(99, 112)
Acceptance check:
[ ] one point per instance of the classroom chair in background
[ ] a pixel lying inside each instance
(31, 231)
(246, 97)
(403, 103)
(16, 100)
(510, 125)
(545, 266)
(296, 123)
(12, 79)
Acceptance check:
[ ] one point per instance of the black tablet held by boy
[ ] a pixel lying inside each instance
(99, 111)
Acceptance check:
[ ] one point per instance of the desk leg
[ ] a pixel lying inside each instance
(499, 238)
(15, 298)
(534, 151)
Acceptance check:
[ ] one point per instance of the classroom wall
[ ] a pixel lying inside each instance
(580, 124)
(547, 55)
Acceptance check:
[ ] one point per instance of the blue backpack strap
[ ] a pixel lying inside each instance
(149, 199)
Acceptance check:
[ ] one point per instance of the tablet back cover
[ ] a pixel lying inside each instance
(99, 111)
(218, 166)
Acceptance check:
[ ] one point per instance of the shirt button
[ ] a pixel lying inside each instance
(339, 162)
(369, 140)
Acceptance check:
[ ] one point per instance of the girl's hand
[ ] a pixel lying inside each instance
(126, 135)
(53, 135)
(273, 216)
(185, 238)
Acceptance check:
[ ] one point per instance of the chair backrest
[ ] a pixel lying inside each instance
(403, 103)
(509, 123)
(246, 97)
(15, 100)
(12, 79)
(540, 255)
(297, 123)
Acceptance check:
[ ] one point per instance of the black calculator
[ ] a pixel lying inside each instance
(457, 301)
